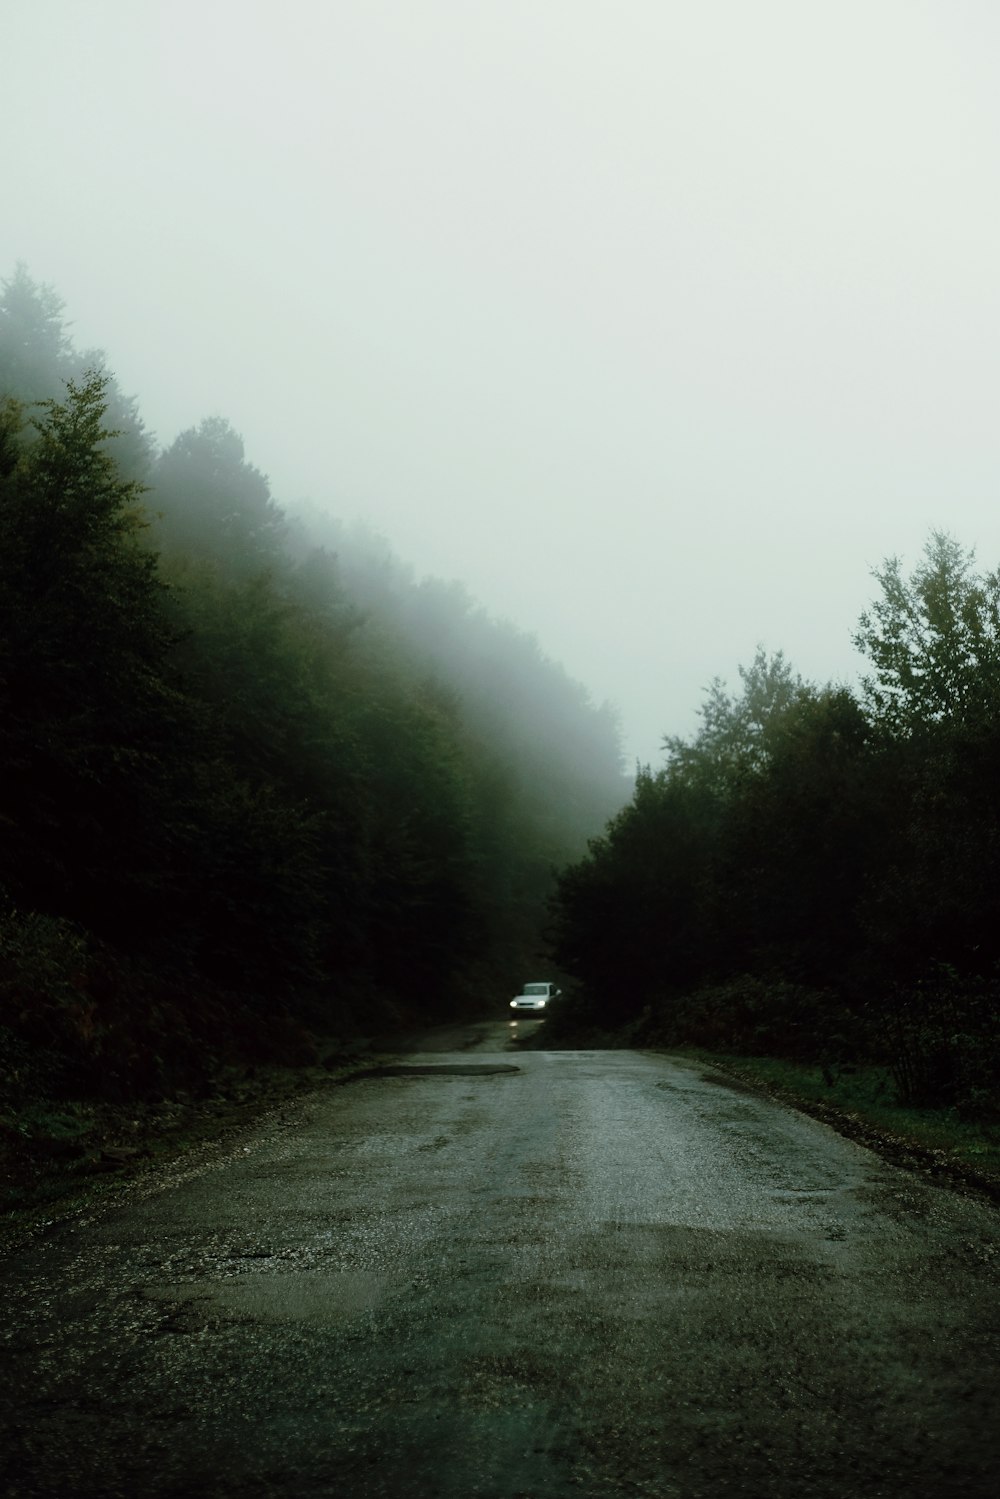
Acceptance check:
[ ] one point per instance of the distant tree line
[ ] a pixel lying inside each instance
(256, 782)
(816, 872)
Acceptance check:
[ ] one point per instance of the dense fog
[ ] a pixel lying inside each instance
(657, 325)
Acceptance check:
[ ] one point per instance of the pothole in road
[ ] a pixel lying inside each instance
(442, 1069)
(317, 1297)
(733, 1084)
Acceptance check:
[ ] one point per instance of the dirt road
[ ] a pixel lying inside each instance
(513, 1274)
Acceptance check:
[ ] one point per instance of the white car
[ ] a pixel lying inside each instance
(533, 998)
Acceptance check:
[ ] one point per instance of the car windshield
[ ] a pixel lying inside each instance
(536, 989)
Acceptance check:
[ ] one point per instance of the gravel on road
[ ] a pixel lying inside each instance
(515, 1274)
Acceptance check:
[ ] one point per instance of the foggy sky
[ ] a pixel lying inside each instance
(657, 323)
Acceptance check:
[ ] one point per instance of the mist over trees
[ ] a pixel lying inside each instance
(256, 781)
(816, 872)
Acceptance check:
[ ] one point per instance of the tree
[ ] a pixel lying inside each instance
(35, 348)
(796, 844)
(211, 502)
(84, 701)
(37, 358)
(746, 854)
(934, 698)
(737, 732)
(933, 640)
(631, 920)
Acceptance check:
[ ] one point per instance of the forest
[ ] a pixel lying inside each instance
(261, 785)
(815, 873)
(258, 783)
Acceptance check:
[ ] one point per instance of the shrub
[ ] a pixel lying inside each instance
(942, 1044)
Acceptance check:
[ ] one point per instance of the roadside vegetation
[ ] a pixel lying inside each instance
(260, 788)
(813, 878)
(863, 1102)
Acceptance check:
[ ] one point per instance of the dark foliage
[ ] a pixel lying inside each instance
(252, 781)
(817, 874)
(87, 710)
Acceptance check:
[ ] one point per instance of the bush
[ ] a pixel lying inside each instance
(102, 1024)
(43, 989)
(942, 1044)
(759, 1017)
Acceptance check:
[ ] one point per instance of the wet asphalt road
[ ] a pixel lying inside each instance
(603, 1273)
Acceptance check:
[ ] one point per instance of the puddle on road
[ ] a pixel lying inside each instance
(299, 1296)
(441, 1069)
